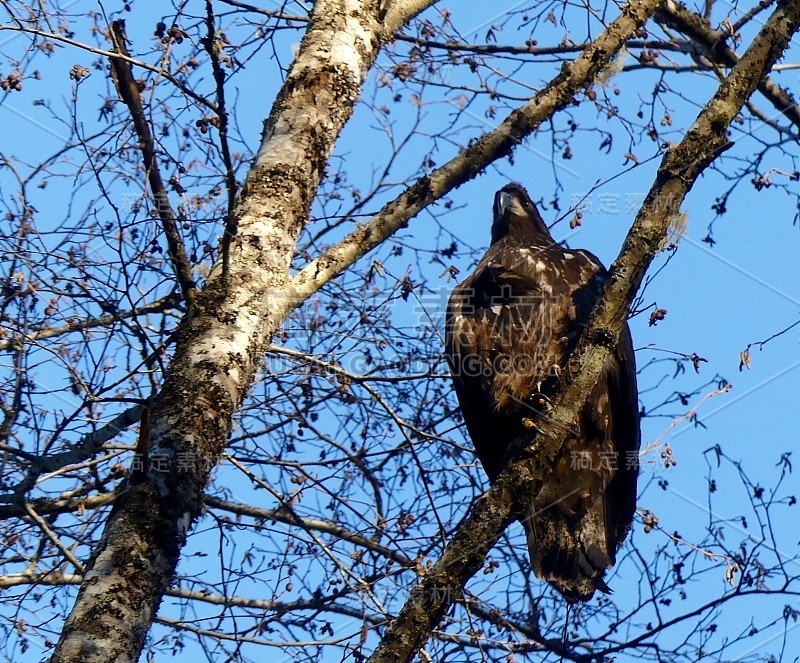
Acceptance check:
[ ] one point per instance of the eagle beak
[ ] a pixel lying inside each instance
(504, 202)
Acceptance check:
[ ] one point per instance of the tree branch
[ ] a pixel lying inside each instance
(57, 578)
(58, 505)
(713, 43)
(86, 447)
(284, 515)
(158, 306)
(213, 47)
(680, 168)
(519, 124)
(221, 342)
(163, 73)
(396, 13)
(51, 535)
(534, 51)
(128, 90)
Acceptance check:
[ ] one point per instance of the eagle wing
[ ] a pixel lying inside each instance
(499, 343)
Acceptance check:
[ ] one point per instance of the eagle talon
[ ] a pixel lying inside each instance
(538, 398)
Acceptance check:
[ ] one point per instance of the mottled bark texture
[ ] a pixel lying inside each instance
(220, 344)
(680, 168)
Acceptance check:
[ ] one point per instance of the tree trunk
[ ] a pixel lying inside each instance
(220, 342)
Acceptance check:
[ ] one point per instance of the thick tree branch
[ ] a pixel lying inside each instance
(752, 13)
(680, 168)
(221, 342)
(715, 48)
(396, 13)
(493, 145)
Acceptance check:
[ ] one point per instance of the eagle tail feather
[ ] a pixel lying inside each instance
(567, 552)
(603, 586)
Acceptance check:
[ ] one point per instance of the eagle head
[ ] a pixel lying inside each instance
(515, 212)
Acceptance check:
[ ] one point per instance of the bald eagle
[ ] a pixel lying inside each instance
(510, 329)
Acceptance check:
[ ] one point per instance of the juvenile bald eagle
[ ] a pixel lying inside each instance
(511, 327)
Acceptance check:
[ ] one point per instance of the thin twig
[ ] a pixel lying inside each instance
(54, 539)
(114, 56)
(213, 48)
(130, 94)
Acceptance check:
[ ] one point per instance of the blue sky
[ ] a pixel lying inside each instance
(719, 298)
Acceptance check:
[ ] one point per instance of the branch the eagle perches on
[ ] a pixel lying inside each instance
(495, 510)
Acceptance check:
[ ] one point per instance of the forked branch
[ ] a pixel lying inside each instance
(680, 168)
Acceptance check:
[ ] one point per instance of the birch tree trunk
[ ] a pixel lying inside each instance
(248, 295)
(220, 342)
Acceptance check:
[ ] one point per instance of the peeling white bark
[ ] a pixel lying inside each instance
(220, 346)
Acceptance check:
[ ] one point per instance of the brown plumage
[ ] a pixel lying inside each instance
(511, 326)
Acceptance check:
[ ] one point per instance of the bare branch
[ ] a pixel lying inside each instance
(129, 93)
(534, 51)
(713, 43)
(680, 168)
(54, 36)
(213, 47)
(158, 306)
(490, 147)
(85, 448)
(35, 517)
(222, 343)
(285, 515)
(58, 505)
